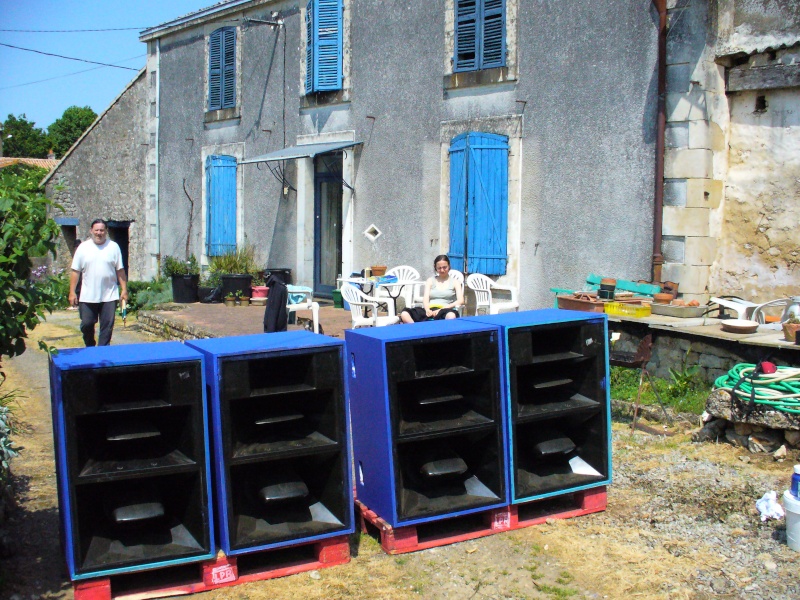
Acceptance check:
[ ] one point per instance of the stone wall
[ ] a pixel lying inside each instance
(102, 176)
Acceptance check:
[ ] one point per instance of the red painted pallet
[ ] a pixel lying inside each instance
(567, 506)
(410, 538)
(224, 571)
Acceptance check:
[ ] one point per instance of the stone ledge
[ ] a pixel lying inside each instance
(719, 405)
(170, 329)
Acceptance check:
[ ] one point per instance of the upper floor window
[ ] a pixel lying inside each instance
(480, 35)
(222, 68)
(323, 45)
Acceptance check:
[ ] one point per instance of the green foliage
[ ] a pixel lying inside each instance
(26, 141)
(148, 295)
(69, 127)
(26, 232)
(8, 427)
(685, 381)
(174, 266)
(625, 385)
(241, 262)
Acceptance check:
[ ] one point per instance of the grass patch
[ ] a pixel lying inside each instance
(558, 592)
(685, 392)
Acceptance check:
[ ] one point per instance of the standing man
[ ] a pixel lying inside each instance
(98, 263)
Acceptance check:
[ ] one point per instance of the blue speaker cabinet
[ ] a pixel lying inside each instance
(556, 384)
(280, 437)
(428, 424)
(131, 444)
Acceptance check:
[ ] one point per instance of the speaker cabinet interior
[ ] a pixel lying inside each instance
(280, 437)
(559, 407)
(131, 455)
(428, 424)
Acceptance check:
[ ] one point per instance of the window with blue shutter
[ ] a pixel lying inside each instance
(221, 205)
(479, 203)
(480, 34)
(323, 45)
(222, 69)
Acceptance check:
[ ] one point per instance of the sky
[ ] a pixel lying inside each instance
(22, 89)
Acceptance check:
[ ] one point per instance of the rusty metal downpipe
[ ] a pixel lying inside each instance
(661, 126)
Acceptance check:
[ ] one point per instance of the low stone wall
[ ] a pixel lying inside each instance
(169, 329)
(679, 350)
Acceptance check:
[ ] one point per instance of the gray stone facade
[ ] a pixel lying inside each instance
(102, 176)
(577, 101)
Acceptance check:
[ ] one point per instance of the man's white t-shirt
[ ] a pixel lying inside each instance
(98, 265)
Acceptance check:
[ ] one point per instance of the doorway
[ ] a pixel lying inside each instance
(327, 223)
(118, 232)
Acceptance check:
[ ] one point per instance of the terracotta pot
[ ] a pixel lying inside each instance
(229, 301)
(662, 298)
(378, 270)
(790, 331)
(244, 301)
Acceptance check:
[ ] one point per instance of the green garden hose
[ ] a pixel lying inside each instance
(777, 391)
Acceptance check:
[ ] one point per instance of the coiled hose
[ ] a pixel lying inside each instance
(777, 391)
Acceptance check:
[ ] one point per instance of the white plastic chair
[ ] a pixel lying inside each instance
(403, 273)
(743, 308)
(483, 287)
(359, 301)
(307, 303)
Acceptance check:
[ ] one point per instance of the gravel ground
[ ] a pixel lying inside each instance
(681, 524)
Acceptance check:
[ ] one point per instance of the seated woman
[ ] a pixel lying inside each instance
(443, 295)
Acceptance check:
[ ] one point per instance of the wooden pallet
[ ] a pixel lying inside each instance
(223, 571)
(567, 506)
(410, 538)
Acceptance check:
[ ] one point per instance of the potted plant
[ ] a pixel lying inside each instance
(229, 300)
(235, 270)
(185, 275)
(257, 287)
(790, 327)
(241, 299)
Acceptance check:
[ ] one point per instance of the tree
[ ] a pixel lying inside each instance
(26, 141)
(69, 127)
(26, 231)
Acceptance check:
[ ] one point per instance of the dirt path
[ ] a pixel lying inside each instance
(680, 524)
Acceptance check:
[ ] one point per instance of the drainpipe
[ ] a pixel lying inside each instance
(661, 125)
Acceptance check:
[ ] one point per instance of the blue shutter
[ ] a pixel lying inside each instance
(310, 46)
(458, 204)
(221, 205)
(466, 35)
(327, 25)
(222, 68)
(228, 67)
(215, 70)
(487, 204)
(480, 41)
(493, 50)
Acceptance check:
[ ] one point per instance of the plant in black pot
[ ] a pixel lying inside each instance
(235, 270)
(185, 275)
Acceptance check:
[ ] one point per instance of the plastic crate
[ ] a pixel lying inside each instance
(628, 310)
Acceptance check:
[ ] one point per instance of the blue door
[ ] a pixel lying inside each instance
(221, 205)
(479, 203)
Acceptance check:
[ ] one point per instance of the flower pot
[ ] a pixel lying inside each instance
(184, 288)
(230, 301)
(244, 301)
(259, 291)
(790, 331)
(235, 283)
(378, 270)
